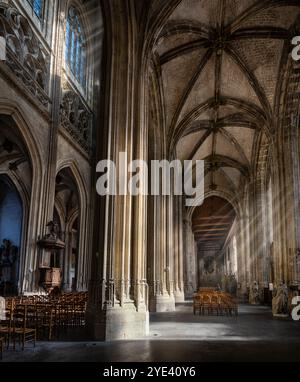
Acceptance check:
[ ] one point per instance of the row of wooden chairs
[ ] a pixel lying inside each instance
(214, 303)
(33, 299)
(28, 318)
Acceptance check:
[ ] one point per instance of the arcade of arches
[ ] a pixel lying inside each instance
(211, 80)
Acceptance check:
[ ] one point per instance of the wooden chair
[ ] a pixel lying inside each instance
(197, 303)
(79, 313)
(2, 341)
(229, 305)
(21, 331)
(206, 303)
(45, 320)
(6, 326)
(215, 306)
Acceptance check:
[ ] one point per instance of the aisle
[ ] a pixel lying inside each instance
(254, 323)
(181, 336)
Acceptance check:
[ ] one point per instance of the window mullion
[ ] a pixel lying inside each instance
(75, 54)
(78, 61)
(67, 53)
(75, 47)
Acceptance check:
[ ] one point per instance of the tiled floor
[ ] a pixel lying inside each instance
(180, 336)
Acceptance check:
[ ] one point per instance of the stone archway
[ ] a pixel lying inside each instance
(211, 224)
(19, 151)
(68, 206)
(81, 211)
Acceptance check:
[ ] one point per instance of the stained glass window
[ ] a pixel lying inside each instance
(38, 7)
(75, 47)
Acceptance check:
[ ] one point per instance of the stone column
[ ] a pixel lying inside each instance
(117, 306)
(46, 194)
(296, 176)
(153, 255)
(283, 223)
(178, 251)
(277, 201)
(162, 282)
(260, 236)
(190, 260)
(294, 202)
(66, 283)
(242, 255)
(246, 236)
(253, 231)
(252, 234)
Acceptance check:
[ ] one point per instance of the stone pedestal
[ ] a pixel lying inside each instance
(189, 291)
(179, 296)
(281, 316)
(162, 303)
(190, 284)
(118, 323)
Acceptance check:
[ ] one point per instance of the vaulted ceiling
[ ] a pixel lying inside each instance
(14, 156)
(66, 191)
(219, 63)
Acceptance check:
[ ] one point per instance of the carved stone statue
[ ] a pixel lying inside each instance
(53, 230)
(75, 117)
(52, 239)
(254, 294)
(280, 300)
(25, 56)
(8, 256)
(233, 285)
(209, 265)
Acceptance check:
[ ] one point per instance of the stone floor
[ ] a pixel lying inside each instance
(180, 336)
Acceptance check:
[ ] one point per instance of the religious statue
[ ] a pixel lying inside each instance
(8, 256)
(229, 283)
(209, 264)
(254, 294)
(233, 285)
(280, 300)
(53, 230)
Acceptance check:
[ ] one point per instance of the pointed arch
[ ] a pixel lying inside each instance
(34, 222)
(84, 254)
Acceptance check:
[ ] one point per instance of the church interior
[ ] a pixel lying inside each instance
(85, 277)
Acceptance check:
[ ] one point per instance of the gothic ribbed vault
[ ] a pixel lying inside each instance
(219, 66)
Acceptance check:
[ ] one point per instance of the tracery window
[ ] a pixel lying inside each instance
(75, 52)
(38, 7)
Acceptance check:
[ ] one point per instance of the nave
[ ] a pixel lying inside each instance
(162, 80)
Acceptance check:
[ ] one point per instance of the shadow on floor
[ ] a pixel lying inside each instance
(181, 336)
